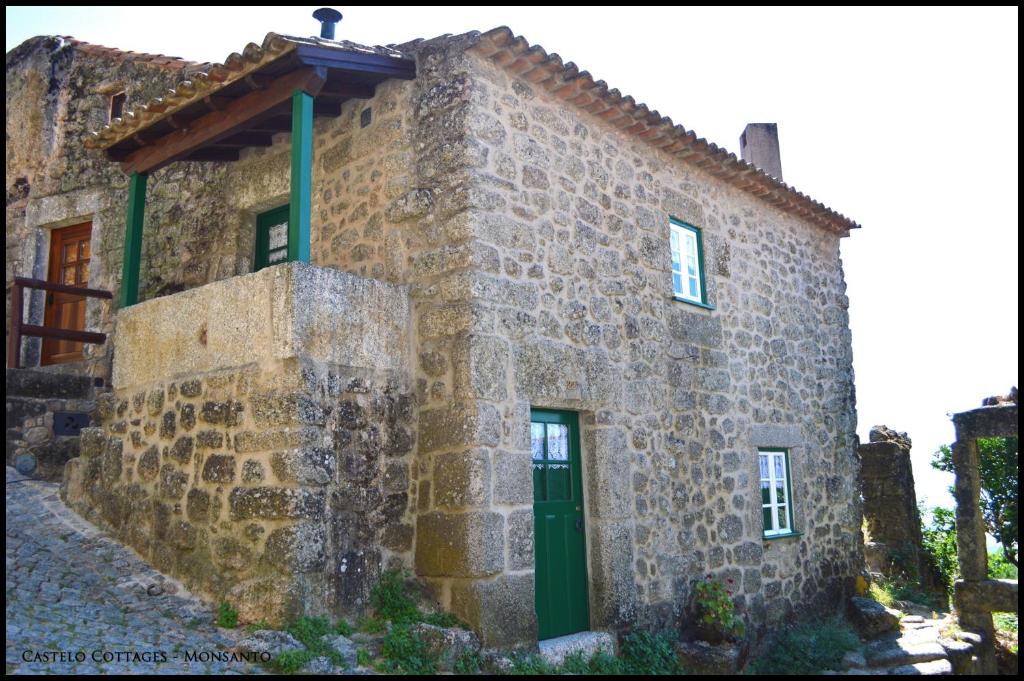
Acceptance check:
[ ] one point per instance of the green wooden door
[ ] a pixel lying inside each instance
(559, 540)
(271, 238)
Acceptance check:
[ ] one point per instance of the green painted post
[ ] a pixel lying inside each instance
(302, 177)
(132, 261)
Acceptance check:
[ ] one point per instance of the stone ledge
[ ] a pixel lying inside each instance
(285, 311)
(555, 650)
(990, 595)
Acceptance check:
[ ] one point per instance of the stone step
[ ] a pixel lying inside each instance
(933, 668)
(555, 650)
(901, 652)
(45, 385)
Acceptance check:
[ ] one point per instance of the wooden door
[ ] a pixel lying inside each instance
(69, 265)
(559, 539)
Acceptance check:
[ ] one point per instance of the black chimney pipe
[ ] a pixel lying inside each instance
(328, 18)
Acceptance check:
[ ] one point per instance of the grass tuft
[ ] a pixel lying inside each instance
(807, 649)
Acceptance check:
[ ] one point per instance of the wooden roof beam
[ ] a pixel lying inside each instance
(236, 117)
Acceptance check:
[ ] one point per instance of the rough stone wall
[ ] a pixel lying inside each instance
(55, 96)
(890, 502)
(34, 399)
(281, 484)
(562, 298)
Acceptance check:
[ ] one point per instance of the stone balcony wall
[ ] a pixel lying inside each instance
(258, 440)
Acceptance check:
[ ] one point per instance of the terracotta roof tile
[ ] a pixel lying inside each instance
(161, 60)
(209, 78)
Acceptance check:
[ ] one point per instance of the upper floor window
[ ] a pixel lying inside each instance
(687, 263)
(776, 492)
(117, 105)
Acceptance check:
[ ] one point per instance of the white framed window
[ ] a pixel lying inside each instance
(687, 263)
(776, 492)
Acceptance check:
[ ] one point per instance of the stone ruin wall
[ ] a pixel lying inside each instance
(892, 521)
(568, 306)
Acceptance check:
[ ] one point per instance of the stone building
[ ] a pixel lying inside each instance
(552, 352)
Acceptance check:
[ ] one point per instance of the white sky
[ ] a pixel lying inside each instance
(903, 119)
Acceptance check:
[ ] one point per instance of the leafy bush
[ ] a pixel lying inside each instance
(343, 628)
(716, 612)
(404, 652)
(363, 657)
(1000, 568)
(807, 648)
(391, 600)
(444, 619)
(530, 665)
(310, 632)
(939, 542)
(291, 661)
(372, 625)
(468, 663)
(644, 653)
(227, 617)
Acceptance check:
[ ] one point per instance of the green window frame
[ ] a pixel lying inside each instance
(776, 492)
(271, 227)
(689, 283)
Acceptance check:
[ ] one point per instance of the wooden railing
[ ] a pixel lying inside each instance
(19, 328)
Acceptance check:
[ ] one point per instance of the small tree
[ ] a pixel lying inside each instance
(939, 540)
(999, 469)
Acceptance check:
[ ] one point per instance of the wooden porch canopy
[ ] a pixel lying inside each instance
(277, 87)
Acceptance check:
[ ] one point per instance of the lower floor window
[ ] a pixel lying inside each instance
(776, 492)
(271, 238)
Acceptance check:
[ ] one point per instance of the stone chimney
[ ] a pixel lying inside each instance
(759, 146)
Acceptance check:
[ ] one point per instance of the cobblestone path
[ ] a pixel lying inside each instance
(80, 603)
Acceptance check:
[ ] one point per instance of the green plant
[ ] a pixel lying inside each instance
(524, 664)
(888, 590)
(363, 657)
(444, 619)
(716, 612)
(291, 661)
(227, 617)
(310, 632)
(939, 541)
(391, 600)
(1005, 622)
(807, 649)
(468, 663)
(372, 625)
(404, 652)
(999, 470)
(880, 593)
(1000, 568)
(343, 628)
(645, 654)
